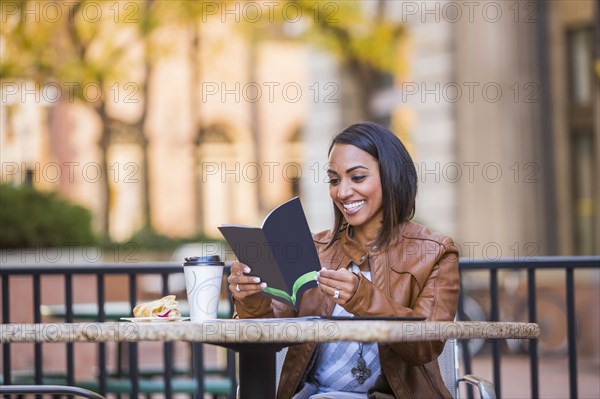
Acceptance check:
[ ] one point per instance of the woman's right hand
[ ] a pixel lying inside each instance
(242, 286)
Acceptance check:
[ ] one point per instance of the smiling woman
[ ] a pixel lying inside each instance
(375, 263)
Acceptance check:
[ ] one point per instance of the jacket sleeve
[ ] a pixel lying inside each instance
(437, 300)
(261, 306)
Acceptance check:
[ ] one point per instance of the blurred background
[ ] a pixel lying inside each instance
(172, 117)
(130, 128)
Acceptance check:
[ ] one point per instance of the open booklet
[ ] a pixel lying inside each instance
(281, 252)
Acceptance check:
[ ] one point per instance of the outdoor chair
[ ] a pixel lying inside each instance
(448, 362)
(49, 389)
(214, 385)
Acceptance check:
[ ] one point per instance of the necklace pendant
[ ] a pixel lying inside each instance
(361, 372)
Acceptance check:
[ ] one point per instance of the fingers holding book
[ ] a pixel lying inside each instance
(338, 284)
(242, 286)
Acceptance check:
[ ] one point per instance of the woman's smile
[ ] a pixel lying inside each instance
(352, 207)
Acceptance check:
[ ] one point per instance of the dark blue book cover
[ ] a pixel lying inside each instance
(281, 252)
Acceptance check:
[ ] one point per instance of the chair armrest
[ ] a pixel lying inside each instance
(49, 389)
(486, 388)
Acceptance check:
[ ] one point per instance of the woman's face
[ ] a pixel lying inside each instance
(355, 186)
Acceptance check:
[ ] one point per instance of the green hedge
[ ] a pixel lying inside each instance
(149, 238)
(30, 218)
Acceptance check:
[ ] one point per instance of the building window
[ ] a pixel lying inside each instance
(580, 66)
(581, 137)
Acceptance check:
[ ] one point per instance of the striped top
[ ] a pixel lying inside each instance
(335, 361)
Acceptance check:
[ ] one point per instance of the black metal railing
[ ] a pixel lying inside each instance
(133, 376)
(492, 290)
(531, 267)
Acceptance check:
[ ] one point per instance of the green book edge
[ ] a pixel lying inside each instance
(305, 278)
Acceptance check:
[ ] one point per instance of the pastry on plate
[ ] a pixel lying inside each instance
(163, 307)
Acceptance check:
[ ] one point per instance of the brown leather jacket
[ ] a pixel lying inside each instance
(415, 276)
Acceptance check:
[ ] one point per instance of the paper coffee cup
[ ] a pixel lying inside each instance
(203, 277)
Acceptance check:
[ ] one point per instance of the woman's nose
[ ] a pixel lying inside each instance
(344, 190)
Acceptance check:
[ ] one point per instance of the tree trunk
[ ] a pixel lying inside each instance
(145, 171)
(144, 144)
(104, 143)
(255, 117)
(142, 133)
(195, 76)
(365, 78)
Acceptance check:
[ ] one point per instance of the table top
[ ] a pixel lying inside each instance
(264, 331)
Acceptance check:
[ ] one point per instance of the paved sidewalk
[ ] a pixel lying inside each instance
(553, 375)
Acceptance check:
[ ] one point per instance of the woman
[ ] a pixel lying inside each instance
(375, 262)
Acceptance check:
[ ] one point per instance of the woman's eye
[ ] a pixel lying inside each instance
(358, 178)
(333, 181)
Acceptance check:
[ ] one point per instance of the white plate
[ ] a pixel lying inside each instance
(154, 319)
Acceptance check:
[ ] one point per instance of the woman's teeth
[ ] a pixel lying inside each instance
(353, 205)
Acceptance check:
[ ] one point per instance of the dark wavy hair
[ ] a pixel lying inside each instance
(397, 173)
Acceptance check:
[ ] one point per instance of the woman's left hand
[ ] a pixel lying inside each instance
(339, 284)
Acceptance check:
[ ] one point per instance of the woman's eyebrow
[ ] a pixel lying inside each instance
(356, 167)
(333, 171)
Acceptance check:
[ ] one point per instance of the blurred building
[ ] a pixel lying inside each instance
(503, 128)
(498, 105)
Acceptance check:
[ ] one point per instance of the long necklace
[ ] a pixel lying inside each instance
(361, 372)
